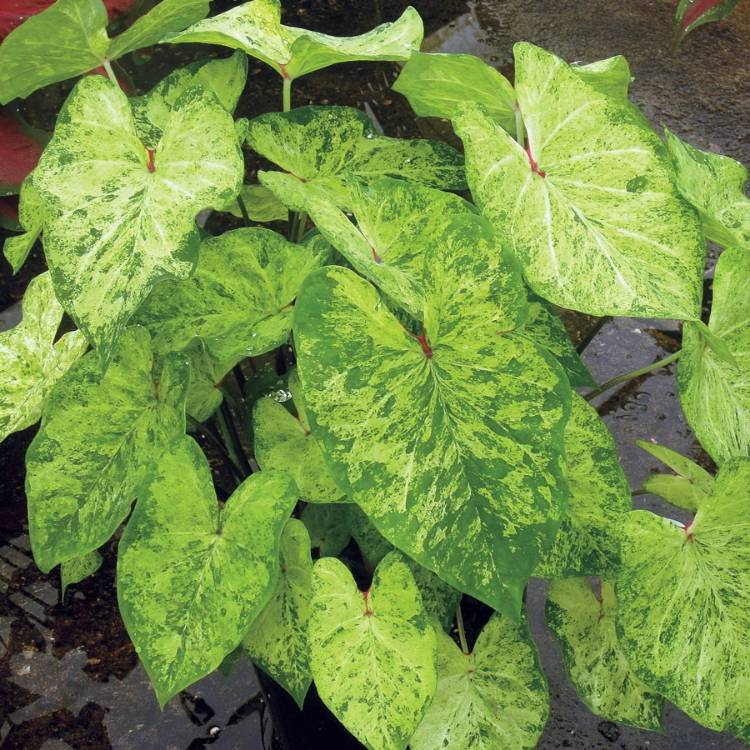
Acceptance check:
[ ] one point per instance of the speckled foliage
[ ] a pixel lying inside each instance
(31, 361)
(30, 215)
(191, 577)
(328, 527)
(494, 698)
(77, 568)
(277, 639)
(589, 539)
(372, 653)
(682, 594)
(450, 443)
(256, 28)
(584, 623)
(616, 237)
(714, 392)
(99, 435)
(118, 218)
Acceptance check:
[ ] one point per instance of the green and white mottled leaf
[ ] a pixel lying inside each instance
(285, 442)
(327, 144)
(590, 209)
(238, 301)
(224, 78)
(261, 205)
(192, 576)
(31, 361)
(77, 569)
(277, 639)
(397, 222)
(435, 84)
(31, 216)
(588, 542)
(450, 444)
(584, 625)
(328, 527)
(255, 27)
(69, 38)
(99, 435)
(545, 327)
(682, 595)
(494, 698)
(114, 227)
(372, 653)
(611, 76)
(688, 488)
(716, 186)
(714, 394)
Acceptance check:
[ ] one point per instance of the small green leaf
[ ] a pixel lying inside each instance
(715, 395)
(31, 361)
(117, 218)
(451, 443)
(31, 216)
(224, 78)
(439, 599)
(191, 577)
(99, 435)
(495, 698)
(204, 394)
(77, 569)
(611, 76)
(435, 84)
(328, 526)
(255, 27)
(261, 204)
(326, 144)
(545, 327)
(588, 542)
(372, 544)
(372, 653)
(589, 207)
(692, 485)
(286, 442)
(585, 627)
(715, 186)
(277, 639)
(683, 615)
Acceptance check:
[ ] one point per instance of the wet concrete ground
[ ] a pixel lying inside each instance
(68, 674)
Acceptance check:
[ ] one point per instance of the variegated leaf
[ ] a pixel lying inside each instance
(715, 395)
(118, 217)
(691, 14)
(31, 215)
(682, 594)
(449, 440)
(277, 639)
(610, 76)
(372, 653)
(494, 698)
(588, 542)
(192, 576)
(99, 435)
(31, 361)
(77, 569)
(589, 205)
(584, 624)
(255, 27)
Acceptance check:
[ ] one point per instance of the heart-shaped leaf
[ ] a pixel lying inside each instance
(118, 217)
(99, 435)
(19, 153)
(714, 394)
(585, 627)
(716, 186)
(31, 217)
(69, 39)
(191, 577)
(588, 542)
(494, 698)
(31, 361)
(285, 442)
(277, 639)
(691, 14)
(682, 594)
(77, 569)
(372, 653)
(255, 28)
(589, 205)
(224, 78)
(450, 441)
(328, 527)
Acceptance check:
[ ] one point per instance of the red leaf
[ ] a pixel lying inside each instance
(696, 10)
(19, 153)
(15, 12)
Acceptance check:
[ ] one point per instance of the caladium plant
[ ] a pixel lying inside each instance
(426, 426)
